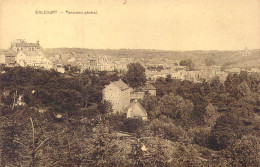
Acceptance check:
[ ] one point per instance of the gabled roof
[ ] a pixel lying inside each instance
(120, 84)
(135, 103)
(148, 86)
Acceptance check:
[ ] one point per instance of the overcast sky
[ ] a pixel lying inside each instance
(139, 24)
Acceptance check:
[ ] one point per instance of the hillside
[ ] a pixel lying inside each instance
(229, 59)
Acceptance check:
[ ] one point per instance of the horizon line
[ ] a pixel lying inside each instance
(164, 50)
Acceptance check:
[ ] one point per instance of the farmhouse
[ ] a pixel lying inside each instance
(124, 99)
(118, 94)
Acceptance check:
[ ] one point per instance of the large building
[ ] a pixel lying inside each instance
(22, 45)
(8, 58)
(118, 94)
(34, 59)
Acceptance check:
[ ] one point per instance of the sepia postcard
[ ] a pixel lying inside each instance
(129, 83)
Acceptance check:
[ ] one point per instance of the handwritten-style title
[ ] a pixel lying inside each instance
(54, 12)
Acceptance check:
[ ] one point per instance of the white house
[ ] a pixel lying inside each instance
(124, 99)
(135, 110)
(21, 59)
(60, 68)
(2, 58)
(149, 88)
(35, 59)
(118, 94)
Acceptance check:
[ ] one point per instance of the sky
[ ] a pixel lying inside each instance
(137, 24)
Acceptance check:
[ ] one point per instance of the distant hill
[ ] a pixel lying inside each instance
(229, 59)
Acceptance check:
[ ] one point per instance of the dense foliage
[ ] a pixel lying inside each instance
(188, 63)
(53, 119)
(135, 75)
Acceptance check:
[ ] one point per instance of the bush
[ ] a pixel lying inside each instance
(168, 130)
(244, 152)
(226, 131)
(132, 125)
(201, 136)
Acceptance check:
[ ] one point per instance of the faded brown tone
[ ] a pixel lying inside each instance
(153, 24)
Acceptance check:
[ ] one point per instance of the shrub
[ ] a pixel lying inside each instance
(244, 152)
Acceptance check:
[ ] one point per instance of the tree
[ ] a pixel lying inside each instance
(226, 130)
(210, 115)
(245, 152)
(135, 75)
(9, 149)
(169, 78)
(188, 63)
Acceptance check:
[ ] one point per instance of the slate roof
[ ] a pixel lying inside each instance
(120, 84)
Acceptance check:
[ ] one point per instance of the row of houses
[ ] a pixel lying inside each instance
(124, 99)
(110, 63)
(25, 58)
(105, 63)
(204, 73)
(25, 54)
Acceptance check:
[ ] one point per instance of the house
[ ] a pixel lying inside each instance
(136, 95)
(149, 88)
(8, 58)
(60, 68)
(122, 63)
(209, 72)
(135, 110)
(22, 45)
(105, 63)
(21, 59)
(194, 76)
(35, 59)
(179, 74)
(154, 75)
(120, 66)
(2, 58)
(118, 94)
